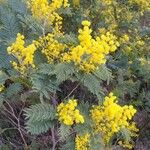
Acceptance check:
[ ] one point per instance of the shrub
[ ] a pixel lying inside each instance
(60, 63)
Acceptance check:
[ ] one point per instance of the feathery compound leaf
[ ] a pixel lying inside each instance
(46, 69)
(69, 144)
(17, 6)
(3, 77)
(43, 84)
(39, 127)
(64, 132)
(13, 89)
(39, 118)
(86, 126)
(40, 112)
(96, 143)
(4, 57)
(10, 25)
(125, 134)
(64, 71)
(92, 83)
(103, 73)
(69, 39)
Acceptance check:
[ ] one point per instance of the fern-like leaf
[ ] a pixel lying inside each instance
(103, 73)
(40, 112)
(68, 145)
(43, 84)
(86, 126)
(3, 77)
(64, 71)
(13, 89)
(39, 127)
(39, 118)
(63, 132)
(47, 69)
(92, 83)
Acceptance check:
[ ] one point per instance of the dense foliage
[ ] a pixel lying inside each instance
(74, 74)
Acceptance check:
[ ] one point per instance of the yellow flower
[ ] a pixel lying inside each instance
(46, 12)
(24, 55)
(110, 118)
(50, 47)
(68, 114)
(91, 52)
(86, 23)
(82, 142)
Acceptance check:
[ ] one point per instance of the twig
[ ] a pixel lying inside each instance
(18, 122)
(72, 91)
(53, 138)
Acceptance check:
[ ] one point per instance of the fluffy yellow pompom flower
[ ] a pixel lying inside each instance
(45, 12)
(68, 114)
(50, 47)
(110, 118)
(24, 55)
(91, 52)
(82, 142)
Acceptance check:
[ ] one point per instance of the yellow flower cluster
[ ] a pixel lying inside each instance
(68, 114)
(46, 13)
(143, 4)
(82, 142)
(1, 88)
(111, 117)
(50, 47)
(90, 53)
(24, 55)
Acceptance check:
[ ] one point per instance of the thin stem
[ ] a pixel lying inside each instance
(72, 91)
(18, 122)
(53, 138)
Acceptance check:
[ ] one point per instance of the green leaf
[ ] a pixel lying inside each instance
(10, 25)
(17, 6)
(70, 39)
(64, 71)
(47, 69)
(86, 126)
(13, 89)
(40, 112)
(4, 57)
(64, 132)
(39, 127)
(96, 143)
(92, 83)
(69, 144)
(3, 77)
(103, 73)
(44, 85)
(39, 118)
